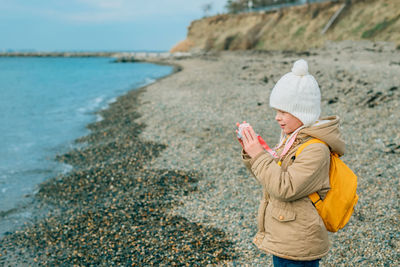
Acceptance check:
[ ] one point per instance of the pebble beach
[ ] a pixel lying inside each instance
(159, 181)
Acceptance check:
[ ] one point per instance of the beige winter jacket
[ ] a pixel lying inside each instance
(288, 224)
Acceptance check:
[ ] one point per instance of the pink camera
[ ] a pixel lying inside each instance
(241, 128)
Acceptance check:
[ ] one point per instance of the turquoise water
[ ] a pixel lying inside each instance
(45, 104)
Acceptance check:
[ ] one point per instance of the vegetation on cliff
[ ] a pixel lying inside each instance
(235, 6)
(296, 28)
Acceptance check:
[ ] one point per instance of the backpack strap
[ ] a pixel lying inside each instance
(315, 197)
(309, 142)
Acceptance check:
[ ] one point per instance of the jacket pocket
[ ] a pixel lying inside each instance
(261, 215)
(283, 215)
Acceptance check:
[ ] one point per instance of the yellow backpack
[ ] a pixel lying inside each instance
(338, 205)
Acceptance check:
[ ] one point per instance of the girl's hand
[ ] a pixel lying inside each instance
(250, 142)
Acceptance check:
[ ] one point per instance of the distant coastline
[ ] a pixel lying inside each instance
(121, 57)
(57, 54)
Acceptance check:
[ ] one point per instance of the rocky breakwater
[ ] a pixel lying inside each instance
(57, 54)
(120, 57)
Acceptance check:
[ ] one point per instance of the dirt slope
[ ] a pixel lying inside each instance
(295, 28)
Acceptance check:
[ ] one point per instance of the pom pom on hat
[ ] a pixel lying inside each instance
(298, 93)
(300, 67)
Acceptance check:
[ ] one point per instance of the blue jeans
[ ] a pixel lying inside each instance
(281, 262)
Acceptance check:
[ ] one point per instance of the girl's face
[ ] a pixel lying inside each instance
(287, 121)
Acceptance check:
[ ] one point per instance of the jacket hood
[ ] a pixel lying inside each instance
(327, 130)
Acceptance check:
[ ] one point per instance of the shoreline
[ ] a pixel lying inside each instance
(163, 165)
(25, 210)
(64, 197)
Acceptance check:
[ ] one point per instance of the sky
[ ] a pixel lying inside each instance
(98, 25)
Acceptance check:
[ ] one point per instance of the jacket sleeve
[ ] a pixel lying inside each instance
(246, 160)
(300, 179)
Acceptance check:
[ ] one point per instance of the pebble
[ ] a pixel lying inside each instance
(112, 209)
(357, 83)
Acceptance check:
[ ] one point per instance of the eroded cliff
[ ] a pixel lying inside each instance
(295, 28)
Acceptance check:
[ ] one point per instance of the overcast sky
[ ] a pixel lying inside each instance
(55, 25)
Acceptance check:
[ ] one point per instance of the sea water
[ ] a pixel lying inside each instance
(45, 104)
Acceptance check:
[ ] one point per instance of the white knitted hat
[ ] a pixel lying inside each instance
(298, 93)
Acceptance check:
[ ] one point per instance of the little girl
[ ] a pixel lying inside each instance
(289, 226)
